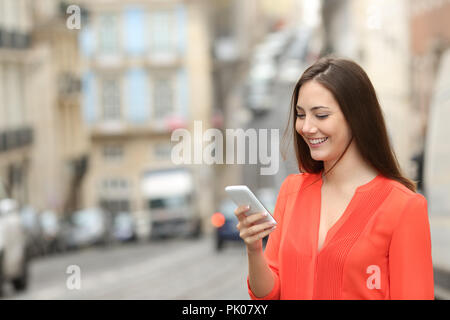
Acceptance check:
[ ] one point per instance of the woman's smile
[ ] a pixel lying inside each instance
(315, 143)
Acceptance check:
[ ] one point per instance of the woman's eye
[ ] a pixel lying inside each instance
(301, 116)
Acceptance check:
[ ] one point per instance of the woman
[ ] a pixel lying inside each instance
(350, 226)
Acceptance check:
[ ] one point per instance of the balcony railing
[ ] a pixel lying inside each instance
(15, 138)
(14, 40)
(68, 84)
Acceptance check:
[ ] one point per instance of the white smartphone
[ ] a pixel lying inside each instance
(242, 196)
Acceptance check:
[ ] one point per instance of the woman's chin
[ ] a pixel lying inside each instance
(318, 156)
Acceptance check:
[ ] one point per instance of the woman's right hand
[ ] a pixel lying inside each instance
(252, 229)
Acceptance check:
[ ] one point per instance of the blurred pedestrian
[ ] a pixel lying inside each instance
(349, 225)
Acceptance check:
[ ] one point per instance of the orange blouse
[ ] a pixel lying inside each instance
(380, 248)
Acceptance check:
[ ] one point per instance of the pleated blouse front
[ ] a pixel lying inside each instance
(380, 248)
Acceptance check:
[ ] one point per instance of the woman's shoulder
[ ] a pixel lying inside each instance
(404, 208)
(401, 191)
(402, 203)
(293, 182)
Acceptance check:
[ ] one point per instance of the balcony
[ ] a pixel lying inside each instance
(68, 84)
(15, 138)
(154, 127)
(14, 40)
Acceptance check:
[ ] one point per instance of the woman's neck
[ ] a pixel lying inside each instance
(350, 172)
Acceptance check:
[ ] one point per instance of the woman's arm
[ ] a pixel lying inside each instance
(410, 261)
(263, 276)
(260, 278)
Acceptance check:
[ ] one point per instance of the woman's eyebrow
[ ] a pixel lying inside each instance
(314, 108)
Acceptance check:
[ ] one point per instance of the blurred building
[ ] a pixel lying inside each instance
(146, 71)
(236, 29)
(430, 37)
(42, 139)
(61, 144)
(376, 35)
(16, 103)
(430, 49)
(233, 35)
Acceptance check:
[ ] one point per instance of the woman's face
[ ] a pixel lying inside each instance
(319, 116)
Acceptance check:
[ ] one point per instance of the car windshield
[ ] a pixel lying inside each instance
(169, 202)
(86, 218)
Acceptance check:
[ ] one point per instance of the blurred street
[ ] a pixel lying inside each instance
(277, 118)
(170, 269)
(103, 167)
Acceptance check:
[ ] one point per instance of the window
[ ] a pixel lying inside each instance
(10, 14)
(138, 103)
(111, 99)
(113, 153)
(115, 205)
(162, 151)
(162, 31)
(163, 97)
(114, 187)
(14, 94)
(135, 29)
(108, 33)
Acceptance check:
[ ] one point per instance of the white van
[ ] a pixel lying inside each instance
(170, 202)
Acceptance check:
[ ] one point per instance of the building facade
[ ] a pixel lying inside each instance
(60, 154)
(43, 142)
(16, 129)
(376, 35)
(430, 49)
(145, 73)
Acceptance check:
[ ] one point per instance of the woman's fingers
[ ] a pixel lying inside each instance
(248, 221)
(240, 212)
(241, 209)
(255, 229)
(258, 236)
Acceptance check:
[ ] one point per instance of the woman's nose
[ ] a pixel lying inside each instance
(308, 126)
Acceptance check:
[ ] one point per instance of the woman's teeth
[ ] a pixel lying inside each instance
(317, 141)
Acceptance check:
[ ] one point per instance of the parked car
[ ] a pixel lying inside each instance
(51, 231)
(14, 258)
(225, 219)
(124, 227)
(66, 234)
(88, 227)
(225, 222)
(33, 229)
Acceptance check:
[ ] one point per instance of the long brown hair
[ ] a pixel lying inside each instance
(357, 99)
